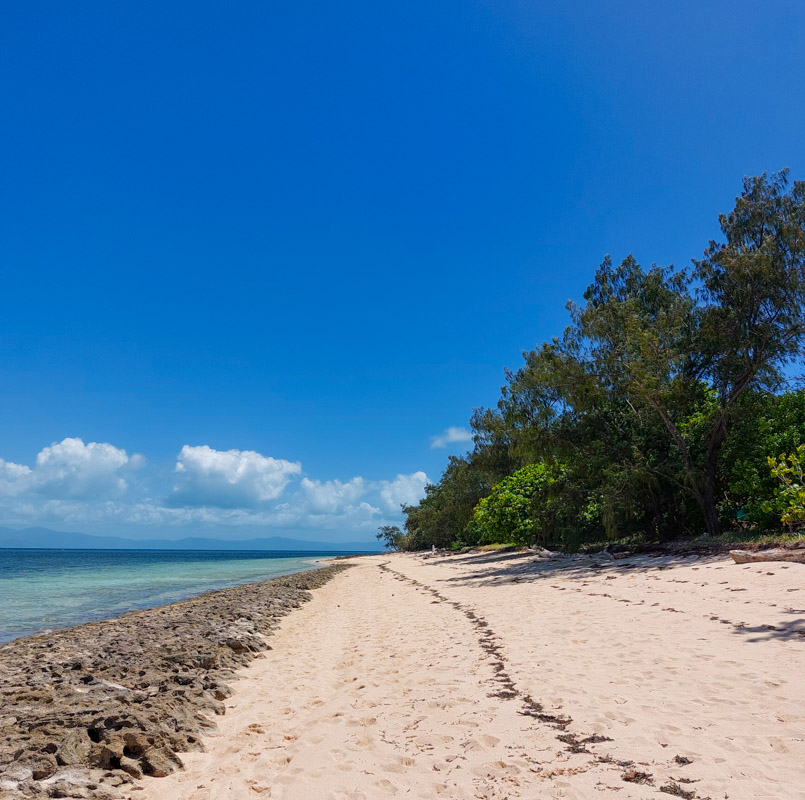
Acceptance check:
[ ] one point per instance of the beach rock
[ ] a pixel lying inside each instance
(41, 765)
(106, 755)
(74, 748)
(160, 761)
(17, 773)
(131, 767)
(135, 743)
(86, 710)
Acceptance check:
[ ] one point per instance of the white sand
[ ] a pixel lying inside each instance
(378, 687)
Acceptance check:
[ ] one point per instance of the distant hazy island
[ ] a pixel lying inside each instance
(46, 538)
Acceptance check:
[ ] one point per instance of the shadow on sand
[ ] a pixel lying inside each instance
(501, 569)
(495, 569)
(789, 630)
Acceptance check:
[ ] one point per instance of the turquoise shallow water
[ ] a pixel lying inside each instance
(48, 589)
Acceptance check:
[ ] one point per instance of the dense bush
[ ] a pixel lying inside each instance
(518, 509)
(534, 506)
(790, 470)
(765, 426)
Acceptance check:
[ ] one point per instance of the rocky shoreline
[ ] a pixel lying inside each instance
(89, 709)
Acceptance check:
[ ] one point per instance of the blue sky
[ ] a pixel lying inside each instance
(261, 255)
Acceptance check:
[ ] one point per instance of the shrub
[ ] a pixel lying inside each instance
(789, 470)
(535, 505)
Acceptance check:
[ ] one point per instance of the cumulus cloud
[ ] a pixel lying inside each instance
(76, 483)
(362, 516)
(403, 490)
(14, 478)
(450, 435)
(70, 469)
(332, 496)
(229, 478)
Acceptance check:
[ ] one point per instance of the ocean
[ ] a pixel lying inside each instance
(49, 589)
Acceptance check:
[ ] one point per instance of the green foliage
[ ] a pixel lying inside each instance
(790, 470)
(531, 507)
(764, 425)
(443, 515)
(752, 295)
(508, 513)
(689, 363)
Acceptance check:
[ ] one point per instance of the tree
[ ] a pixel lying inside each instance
(391, 537)
(633, 338)
(752, 291)
(764, 425)
(638, 398)
(442, 516)
(537, 504)
(507, 514)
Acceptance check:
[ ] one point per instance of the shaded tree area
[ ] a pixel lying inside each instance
(658, 408)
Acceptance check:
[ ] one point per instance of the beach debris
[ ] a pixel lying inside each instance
(632, 775)
(541, 553)
(574, 745)
(676, 790)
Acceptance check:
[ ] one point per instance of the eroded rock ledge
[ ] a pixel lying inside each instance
(88, 709)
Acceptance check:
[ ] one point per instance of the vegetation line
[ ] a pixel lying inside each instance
(669, 406)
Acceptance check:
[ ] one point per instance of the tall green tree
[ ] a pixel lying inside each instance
(442, 516)
(391, 537)
(752, 294)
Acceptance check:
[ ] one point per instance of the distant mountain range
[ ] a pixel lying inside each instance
(46, 538)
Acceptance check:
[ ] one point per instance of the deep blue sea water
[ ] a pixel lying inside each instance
(49, 589)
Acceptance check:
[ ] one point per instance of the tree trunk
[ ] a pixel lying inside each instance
(708, 504)
(703, 486)
(708, 501)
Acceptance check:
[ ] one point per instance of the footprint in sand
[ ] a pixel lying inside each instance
(254, 728)
(497, 769)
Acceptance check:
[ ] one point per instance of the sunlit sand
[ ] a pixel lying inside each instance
(503, 676)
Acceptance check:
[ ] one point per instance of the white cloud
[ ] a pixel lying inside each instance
(14, 478)
(332, 496)
(229, 478)
(94, 484)
(450, 435)
(70, 469)
(363, 516)
(403, 490)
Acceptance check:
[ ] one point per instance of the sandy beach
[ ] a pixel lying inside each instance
(505, 676)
